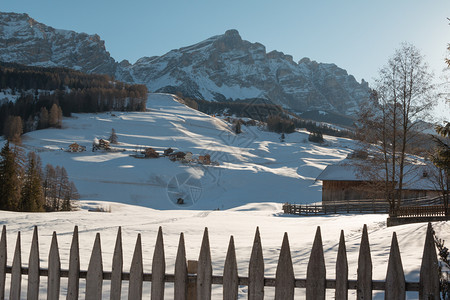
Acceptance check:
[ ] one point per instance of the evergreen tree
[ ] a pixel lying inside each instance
(113, 137)
(237, 127)
(10, 184)
(32, 190)
(13, 129)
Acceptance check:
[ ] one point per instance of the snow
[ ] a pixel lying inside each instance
(255, 175)
(240, 222)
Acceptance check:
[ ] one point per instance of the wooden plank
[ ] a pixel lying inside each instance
(73, 281)
(137, 272)
(316, 272)
(158, 268)
(204, 276)
(429, 274)
(117, 268)
(54, 270)
(342, 270)
(364, 272)
(33, 268)
(230, 273)
(3, 258)
(181, 277)
(395, 277)
(94, 277)
(16, 274)
(256, 270)
(284, 280)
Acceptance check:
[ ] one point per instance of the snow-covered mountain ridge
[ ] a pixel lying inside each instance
(223, 67)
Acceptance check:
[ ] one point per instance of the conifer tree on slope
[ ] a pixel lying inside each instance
(10, 183)
(32, 191)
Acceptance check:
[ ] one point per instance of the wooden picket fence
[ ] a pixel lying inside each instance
(198, 286)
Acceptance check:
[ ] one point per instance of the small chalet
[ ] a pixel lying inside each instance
(76, 148)
(342, 182)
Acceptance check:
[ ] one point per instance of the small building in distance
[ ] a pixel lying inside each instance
(343, 183)
(76, 148)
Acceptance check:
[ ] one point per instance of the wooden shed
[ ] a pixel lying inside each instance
(342, 182)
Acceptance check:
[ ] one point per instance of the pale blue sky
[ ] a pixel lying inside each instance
(358, 36)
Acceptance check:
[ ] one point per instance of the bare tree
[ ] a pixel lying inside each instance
(403, 95)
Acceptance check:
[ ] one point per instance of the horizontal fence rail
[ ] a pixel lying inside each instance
(313, 209)
(196, 282)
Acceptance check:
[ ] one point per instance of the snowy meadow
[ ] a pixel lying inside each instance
(255, 173)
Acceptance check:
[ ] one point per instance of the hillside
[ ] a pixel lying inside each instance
(253, 166)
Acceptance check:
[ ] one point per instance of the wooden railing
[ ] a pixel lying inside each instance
(421, 211)
(335, 208)
(198, 286)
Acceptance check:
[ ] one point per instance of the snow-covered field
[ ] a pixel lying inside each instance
(256, 174)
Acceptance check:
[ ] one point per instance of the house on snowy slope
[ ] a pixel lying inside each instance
(343, 183)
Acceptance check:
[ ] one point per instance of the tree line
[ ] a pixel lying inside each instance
(276, 118)
(25, 186)
(44, 95)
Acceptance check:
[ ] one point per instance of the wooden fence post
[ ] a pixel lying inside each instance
(117, 268)
(94, 277)
(364, 272)
(230, 274)
(181, 277)
(158, 268)
(73, 282)
(54, 270)
(192, 268)
(284, 278)
(136, 272)
(16, 272)
(395, 277)
(429, 274)
(316, 272)
(33, 268)
(256, 270)
(342, 270)
(204, 274)
(3, 255)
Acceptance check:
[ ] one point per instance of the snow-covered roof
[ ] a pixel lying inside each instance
(413, 178)
(339, 172)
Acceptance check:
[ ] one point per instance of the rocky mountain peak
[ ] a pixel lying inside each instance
(223, 67)
(231, 40)
(26, 41)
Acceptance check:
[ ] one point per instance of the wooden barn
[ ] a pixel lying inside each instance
(342, 183)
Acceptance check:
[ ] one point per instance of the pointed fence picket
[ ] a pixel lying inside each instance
(285, 283)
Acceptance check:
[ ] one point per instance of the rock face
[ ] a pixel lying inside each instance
(26, 41)
(223, 67)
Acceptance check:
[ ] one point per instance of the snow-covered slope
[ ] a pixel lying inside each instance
(253, 166)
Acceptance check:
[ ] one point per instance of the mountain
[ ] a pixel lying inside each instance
(24, 40)
(226, 67)
(221, 68)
